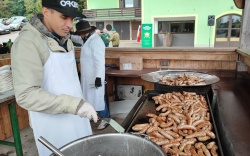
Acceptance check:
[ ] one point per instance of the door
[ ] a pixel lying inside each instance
(100, 25)
(122, 27)
(135, 26)
(122, 3)
(228, 31)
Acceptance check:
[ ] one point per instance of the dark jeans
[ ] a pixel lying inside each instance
(105, 112)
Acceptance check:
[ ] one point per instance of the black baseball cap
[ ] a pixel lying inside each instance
(66, 7)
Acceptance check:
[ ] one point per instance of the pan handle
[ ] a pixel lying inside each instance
(50, 146)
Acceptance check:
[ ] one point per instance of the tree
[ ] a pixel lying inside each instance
(39, 5)
(16, 7)
(30, 6)
(9, 8)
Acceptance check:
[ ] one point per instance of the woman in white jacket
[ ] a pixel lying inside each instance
(92, 61)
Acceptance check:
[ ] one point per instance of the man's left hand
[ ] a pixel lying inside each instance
(98, 82)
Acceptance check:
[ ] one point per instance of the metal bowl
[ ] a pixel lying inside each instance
(112, 144)
(155, 76)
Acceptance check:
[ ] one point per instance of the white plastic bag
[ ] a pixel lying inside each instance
(6, 81)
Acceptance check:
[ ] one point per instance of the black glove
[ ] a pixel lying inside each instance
(98, 82)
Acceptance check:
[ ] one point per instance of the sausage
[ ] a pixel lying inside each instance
(200, 152)
(198, 122)
(171, 144)
(182, 133)
(169, 150)
(210, 134)
(166, 113)
(151, 115)
(203, 148)
(152, 120)
(169, 123)
(178, 151)
(187, 149)
(151, 129)
(175, 135)
(176, 119)
(213, 150)
(196, 134)
(139, 127)
(157, 134)
(144, 129)
(193, 151)
(185, 142)
(210, 145)
(203, 138)
(181, 127)
(165, 134)
(161, 106)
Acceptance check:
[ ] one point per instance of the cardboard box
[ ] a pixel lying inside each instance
(131, 63)
(129, 92)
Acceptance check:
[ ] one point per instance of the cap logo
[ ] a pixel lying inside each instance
(69, 3)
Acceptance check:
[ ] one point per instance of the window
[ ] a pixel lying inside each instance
(129, 3)
(228, 26)
(176, 26)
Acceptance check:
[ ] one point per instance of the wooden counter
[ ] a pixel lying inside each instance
(4, 59)
(178, 58)
(244, 56)
(194, 58)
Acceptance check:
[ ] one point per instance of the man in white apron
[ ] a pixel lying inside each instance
(45, 76)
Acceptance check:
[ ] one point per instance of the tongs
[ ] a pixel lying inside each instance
(108, 121)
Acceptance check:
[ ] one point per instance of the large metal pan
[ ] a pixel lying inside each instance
(155, 76)
(112, 144)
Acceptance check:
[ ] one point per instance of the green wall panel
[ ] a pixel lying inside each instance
(102, 4)
(200, 9)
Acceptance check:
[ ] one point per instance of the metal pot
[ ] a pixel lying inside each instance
(112, 144)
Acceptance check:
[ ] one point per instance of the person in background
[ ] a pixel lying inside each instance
(98, 32)
(92, 61)
(105, 37)
(45, 76)
(9, 44)
(4, 49)
(115, 38)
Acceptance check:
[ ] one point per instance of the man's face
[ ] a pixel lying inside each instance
(57, 22)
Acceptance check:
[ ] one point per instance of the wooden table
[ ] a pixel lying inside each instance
(8, 98)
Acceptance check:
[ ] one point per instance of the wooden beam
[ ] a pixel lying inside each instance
(245, 33)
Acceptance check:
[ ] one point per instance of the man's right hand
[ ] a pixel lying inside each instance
(88, 111)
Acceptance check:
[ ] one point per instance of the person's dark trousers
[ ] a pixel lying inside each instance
(107, 45)
(116, 46)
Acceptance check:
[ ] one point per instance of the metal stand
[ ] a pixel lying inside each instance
(16, 134)
(209, 35)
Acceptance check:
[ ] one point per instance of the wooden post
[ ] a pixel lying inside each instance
(245, 33)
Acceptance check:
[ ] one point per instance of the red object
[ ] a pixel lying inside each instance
(138, 38)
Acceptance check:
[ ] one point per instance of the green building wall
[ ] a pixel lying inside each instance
(200, 9)
(102, 4)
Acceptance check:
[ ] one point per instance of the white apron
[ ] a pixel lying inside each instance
(60, 77)
(93, 65)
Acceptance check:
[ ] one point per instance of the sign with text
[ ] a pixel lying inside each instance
(146, 35)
